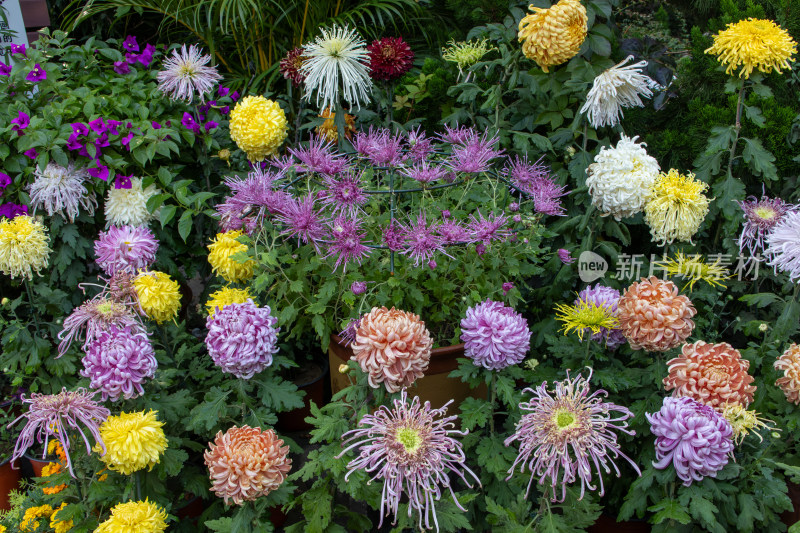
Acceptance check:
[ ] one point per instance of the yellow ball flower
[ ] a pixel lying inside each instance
(675, 207)
(30, 520)
(60, 526)
(754, 44)
(133, 441)
(135, 517)
(219, 255)
(553, 36)
(158, 295)
(226, 296)
(23, 247)
(258, 126)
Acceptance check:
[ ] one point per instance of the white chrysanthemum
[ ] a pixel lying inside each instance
(61, 190)
(186, 74)
(337, 57)
(618, 87)
(783, 246)
(621, 177)
(128, 207)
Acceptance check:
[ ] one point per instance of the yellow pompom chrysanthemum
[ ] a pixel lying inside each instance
(675, 207)
(141, 517)
(158, 295)
(258, 126)
(60, 526)
(219, 255)
(553, 36)
(754, 44)
(23, 247)
(226, 296)
(133, 441)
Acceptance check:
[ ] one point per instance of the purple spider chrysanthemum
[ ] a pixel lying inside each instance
(344, 194)
(125, 248)
(425, 173)
(358, 287)
(534, 180)
(118, 361)
(242, 338)
(495, 336)
(346, 242)
(412, 450)
(380, 146)
(485, 230)
(421, 241)
(458, 135)
(393, 236)
(54, 415)
(348, 334)
(233, 216)
(452, 232)
(692, 436)
(94, 317)
(258, 191)
(565, 432)
(602, 296)
(419, 146)
(302, 220)
(565, 256)
(319, 158)
(186, 74)
(760, 218)
(475, 155)
(783, 246)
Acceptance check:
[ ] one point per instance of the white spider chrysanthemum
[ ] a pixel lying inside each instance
(61, 190)
(618, 87)
(186, 74)
(129, 206)
(621, 177)
(338, 56)
(783, 246)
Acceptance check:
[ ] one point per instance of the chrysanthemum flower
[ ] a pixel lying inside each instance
(328, 129)
(61, 190)
(495, 336)
(421, 240)
(653, 316)
(381, 146)
(158, 295)
(789, 362)
(393, 347)
(425, 173)
(534, 179)
(413, 451)
(92, 318)
(675, 207)
(125, 249)
(346, 242)
(465, 54)
(30, 520)
(754, 44)
(226, 296)
(319, 157)
(258, 127)
(290, 66)
(220, 251)
(691, 436)
(565, 432)
(620, 86)
(389, 58)
(482, 229)
(186, 74)
(24, 247)
(242, 338)
(337, 60)
(246, 463)
(602, 296)
(343, 194)
(713, 374)
(129, 206)
(586, 317)
(303, 220)
(553, 36)
(760, 218)
(695, 269)
(476, 154)
(133, 441)
(138, 517)
(783, 246)
(621, 177)
(118, 361)
(744, 422)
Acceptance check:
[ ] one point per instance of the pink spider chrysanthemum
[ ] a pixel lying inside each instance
(346, 242)
(421, 241)
(302, 220)
(343, 194)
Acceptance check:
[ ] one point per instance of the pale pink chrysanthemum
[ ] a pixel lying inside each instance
(186, 74)
(495, 336)
(118, 362)
(783, 246)
(125, 248)
(61, 190)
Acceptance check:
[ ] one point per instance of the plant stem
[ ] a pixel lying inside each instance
(34, 312)
(392, 202)
(585, 134)
(138, 482)
(492, 399)
(737, 127)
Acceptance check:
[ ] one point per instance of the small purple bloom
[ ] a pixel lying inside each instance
(123, 182)
(146, 57)
(302, 220)
(534, 180)
(393, 236)
(5, 70)
(476, 155)
(225, 110)
(432, 264)
(131, 58)
(517, 218)
(122, 67)
(112, 126)
(32, 153)
(346, 242)
(445, 214)
(189, 123)
(480, 249)
(319, 157)
(11, 210)
(210, 125)
(421, 240)
(507, 286)
(458, 135)
(424, 173)
(223, 92)
(235, 96)
(100, 172)
(156, 125)
(760, 218)
(565, 256)
(126, 141)
(419, 146)
(452, 232)
(381, 147)
(79, 128)
(73, 143)
(485, 230)
(98, 125)
(37, 74)
(21, 122)
(514, 207)
(130, 44)
(344, 194)
(5, 180)
(358, 287)
(242, 338)
(17, 49)
(101, 142)
(495, 336)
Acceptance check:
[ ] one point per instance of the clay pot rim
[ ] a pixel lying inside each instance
(441, 351)
(324, 366)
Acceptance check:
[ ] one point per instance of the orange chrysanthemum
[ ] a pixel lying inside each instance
(653, 316)
(245, 463)
(393, 347)
(789, 362)
(713, 374)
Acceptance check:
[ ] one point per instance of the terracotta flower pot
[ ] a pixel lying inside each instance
(37, 463)
(313, 385)
(9, 480)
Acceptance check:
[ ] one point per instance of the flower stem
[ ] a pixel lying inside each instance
(138, 482)
(492, 399)
(737, 127)
(34, 312)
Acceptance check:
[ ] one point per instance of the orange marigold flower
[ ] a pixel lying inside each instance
(789, 362)
(393, 347)
(245, 463)
(653, 316)
(713, 374)
(48, 470)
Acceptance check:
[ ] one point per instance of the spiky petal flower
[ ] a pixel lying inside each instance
(94, 317)
(676, 206)
(319, 157)
(412, 449)
(55, 416)
(760, 218)
(290, 66)
(783, 246)
(346, 242)
(133, 441)
(258, 127)
(381, 146)
(220, 256)
(129, 206)
(620, 86)
(586, 317)
(246, 463)
(118, 361)
(487, 229)
(755, 44)
(125, 249)
(553, 36)
(495, 336)
(602, 296)
(159, 295)
(343, 194)
(139, 517)
(186, 74)
(691, 436)
(61, 190)
(744, 422)
(466, 53)
(421, 240)
(24, 247)
(393, 347)
(303, 220)
(565, 256)
(425, 172)
(695, 269)
(226, 296)
(476, 154)
(389, 58)
(534, 180)
(789, 362)
(567, 430)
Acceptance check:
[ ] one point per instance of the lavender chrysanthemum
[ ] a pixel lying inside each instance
(118, 361)
(452, 232)
(421, 241)
(565, 256)
(319, 157)
(692, 436)
(495, 336)
(487, 229)
(55, 415)
(412, 450)
(783, 246)
(187, 75)
(94, 317)
(302, 220)
(344, 194)
(393, 236)
(475, 155)
(242, 338)
(381, 147)
(346, 243)
(565, 432)
(760, 217)
(61, 190)
(602, 296)
(534, 180)
(459, 135)
(125, 249)
(258, 192)
(425, 173)
(419, 146)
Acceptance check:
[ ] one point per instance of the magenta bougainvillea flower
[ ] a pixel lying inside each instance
(389, 58)
(495, 336)
(118, 361)
(125, 249)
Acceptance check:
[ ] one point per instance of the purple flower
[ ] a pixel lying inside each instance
(346, 236)
(475, 155)
(783, 245)
(98, 125)
(210, 125)
(480, 249)
(485, 230)
(235, 95)
(432, 264)
(118, 361)
(147, 55)
(223, 92)
(99, 172)
(760, 218)
(319, 158)
(126, 141)
(32, 153)
(190, 124)
(242, 338)
(419, 146)
(156, 125)
(101, 142)
(458, 135)
(514, 207)
(256, 195)
(112, 125)
(37, 74)
(602, 296)
(21, 122)
(535, 181)
(302, 220)
(507, 286)
(445, 214)
(123, 182)
(79, 128)
(11, 210)
(393, 237)
(345, 194)
(421, 240)
(5, 70)
(122, 67)
(131, 58)
(495, 336)
(424, 173)
(380, 147)
(452, 232)
(95, 316)
(348, 334)
(565, 256)
(17, 49)
(225, 109)
(130, 44)
(5, 181)
(125, 249)
(692, 436)
(358, 287)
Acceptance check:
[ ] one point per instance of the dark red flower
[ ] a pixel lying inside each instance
(290, 66)
(389, 58)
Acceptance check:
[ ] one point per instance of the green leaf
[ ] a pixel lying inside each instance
(759, 159)
(760, 299)
(705, 512)
(221, 525)
(185, 225)
(728, 192)
(173, 460)
(669, 509)
(474, 412)
(208, 413)
(755, 116)
(166, 214)
(279, 395)
(749, 513)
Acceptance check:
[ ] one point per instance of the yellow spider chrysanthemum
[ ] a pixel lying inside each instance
(258, 127)
(744, 422)
(133, 441)
(675, 207)
(754, 44)
(328, 129)
(23, 247)
(141, 517)
(466, 54)
(553, 36)
(695, 269)
(60, 526)
(30, 520)
(226, 296)
(219, 255)
(585, 316)
(158, 295)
